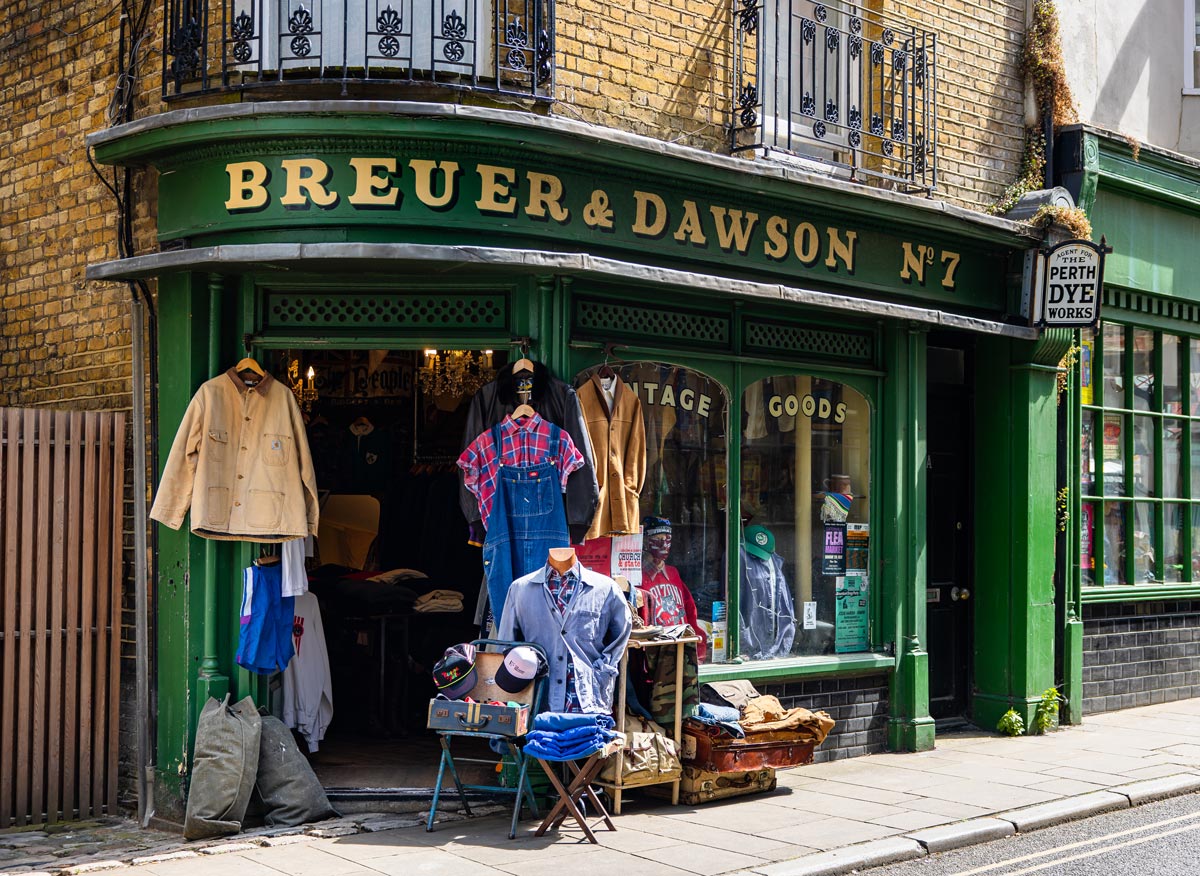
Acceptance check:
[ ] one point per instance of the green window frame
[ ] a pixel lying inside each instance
(1139, 476)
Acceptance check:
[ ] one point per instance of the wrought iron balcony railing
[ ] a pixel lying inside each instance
(840, 83)
(504, 46)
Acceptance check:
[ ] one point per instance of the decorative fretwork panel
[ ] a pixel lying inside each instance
(465, 314)
(805, 342)
(839, 83)
(607, 319)
(502, 46)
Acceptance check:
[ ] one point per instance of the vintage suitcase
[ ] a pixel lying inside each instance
(703, 786)
(478, 718)
(722, 755)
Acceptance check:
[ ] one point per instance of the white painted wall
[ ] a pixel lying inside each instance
(1125, 60)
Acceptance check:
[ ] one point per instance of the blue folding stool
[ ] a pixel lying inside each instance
(482, 727)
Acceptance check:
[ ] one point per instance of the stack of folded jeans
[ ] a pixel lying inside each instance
(723, 718)
(568, 736)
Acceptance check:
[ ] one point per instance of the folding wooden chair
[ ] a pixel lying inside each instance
(479, 721)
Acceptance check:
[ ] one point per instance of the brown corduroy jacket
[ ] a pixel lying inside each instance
(240, 462)
(619, 444)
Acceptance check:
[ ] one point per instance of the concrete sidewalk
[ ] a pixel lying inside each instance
(824, 819)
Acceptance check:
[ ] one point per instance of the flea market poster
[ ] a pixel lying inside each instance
(834, 560)
(853, 615)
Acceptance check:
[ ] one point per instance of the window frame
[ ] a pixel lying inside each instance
(1191, 48)
(735, 373)
(1096, 495)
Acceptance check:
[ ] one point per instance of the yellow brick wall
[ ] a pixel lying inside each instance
(663, 68)
(64, 342)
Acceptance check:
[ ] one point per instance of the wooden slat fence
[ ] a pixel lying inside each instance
(62, 484)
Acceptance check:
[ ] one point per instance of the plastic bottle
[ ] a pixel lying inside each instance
(719, 626)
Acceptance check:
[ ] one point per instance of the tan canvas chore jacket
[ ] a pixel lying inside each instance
(240, 462)
(619, 444)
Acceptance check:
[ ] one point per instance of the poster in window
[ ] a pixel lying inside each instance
(858, 537)
(627, 558)
(833, 562)
(852, 614)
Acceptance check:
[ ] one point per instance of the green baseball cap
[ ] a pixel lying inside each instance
(759, 542)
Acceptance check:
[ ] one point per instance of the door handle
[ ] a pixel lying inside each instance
(957, 593)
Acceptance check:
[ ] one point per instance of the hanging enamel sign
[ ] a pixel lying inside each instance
(1069, 285)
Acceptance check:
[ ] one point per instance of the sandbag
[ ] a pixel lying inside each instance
(223, 768)
(286, 783)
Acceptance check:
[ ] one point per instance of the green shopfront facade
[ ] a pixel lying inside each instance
(1135, 573)
(803, 331)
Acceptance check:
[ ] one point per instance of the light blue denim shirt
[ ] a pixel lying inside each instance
(592, 633)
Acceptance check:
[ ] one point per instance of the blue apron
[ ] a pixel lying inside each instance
(526, 520)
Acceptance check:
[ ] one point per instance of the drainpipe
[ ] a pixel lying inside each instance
(145, 787)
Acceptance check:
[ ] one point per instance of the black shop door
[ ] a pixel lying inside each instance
(948, 530)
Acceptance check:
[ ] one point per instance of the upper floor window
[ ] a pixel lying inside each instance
(1191, 46)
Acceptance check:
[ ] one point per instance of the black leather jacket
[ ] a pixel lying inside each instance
(555, 401)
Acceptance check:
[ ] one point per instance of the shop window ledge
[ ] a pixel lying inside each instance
(1137, 593)
(796, 667)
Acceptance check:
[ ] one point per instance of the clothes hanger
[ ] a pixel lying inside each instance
(249, 364)
(523, 410)
(522, 365)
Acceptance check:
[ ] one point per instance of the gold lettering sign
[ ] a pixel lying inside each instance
(436, 186)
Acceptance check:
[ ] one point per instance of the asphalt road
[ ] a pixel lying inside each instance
(1157, 839)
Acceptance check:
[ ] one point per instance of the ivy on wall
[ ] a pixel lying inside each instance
(1042, 62)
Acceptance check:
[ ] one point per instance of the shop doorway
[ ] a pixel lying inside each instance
(385, 428)
(949, 525)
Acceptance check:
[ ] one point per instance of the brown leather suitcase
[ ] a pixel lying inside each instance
(703, 786)
(723, 755)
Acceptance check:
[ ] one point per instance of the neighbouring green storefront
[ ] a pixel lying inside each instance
(789, 336)
(1135, 570)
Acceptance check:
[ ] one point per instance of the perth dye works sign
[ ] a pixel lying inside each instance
(450, 192)
(1067, 284)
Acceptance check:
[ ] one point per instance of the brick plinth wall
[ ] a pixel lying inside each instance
(1137, 654)
(858, 705)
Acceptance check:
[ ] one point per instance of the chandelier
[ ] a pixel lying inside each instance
(455, 373)
(304, 390)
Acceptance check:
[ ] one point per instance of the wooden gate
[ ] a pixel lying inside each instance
(62, 481)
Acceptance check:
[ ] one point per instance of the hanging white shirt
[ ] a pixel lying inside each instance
(307, 685)
(295, 576)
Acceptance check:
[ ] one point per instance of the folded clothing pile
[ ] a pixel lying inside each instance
(439, 600)
(765, 714)
(568, 735)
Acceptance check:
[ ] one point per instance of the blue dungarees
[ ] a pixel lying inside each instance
(526, 520)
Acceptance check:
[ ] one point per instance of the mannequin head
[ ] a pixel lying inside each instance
(656, 539)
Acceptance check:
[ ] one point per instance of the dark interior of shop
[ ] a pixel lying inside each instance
(385, 429)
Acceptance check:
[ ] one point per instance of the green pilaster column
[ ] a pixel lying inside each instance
(1072, 653)
(212, 681)
(1016, 445)
(183, 365)
(910, 727)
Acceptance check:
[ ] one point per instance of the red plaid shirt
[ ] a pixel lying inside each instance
(522, 442)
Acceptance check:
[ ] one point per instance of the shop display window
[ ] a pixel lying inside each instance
(1140, 457)
(684, 493)
(805, 504)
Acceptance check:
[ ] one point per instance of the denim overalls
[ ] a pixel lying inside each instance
(526, 520)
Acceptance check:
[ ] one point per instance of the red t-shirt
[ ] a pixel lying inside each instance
(667, 602)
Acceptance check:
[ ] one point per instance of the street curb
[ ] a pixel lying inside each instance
(1064, 810)
(877, 853)
(964, 833)
(1149, 790)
